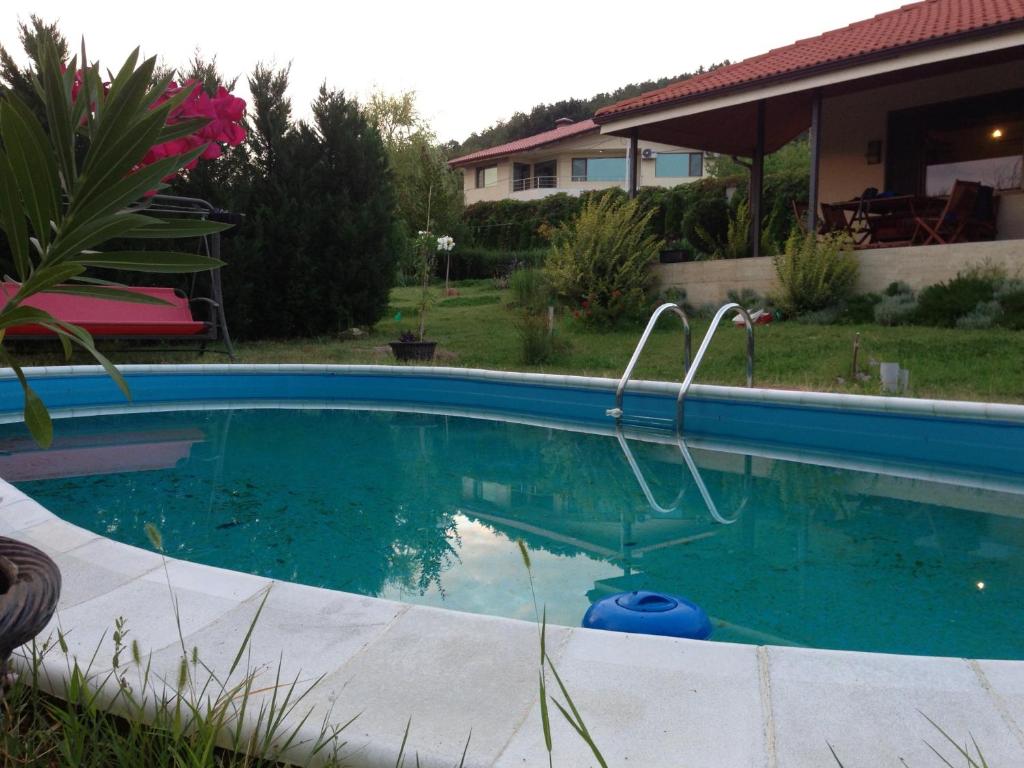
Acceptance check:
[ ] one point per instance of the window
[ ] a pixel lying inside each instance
(990, 154)
(598, 169)
(679, 164)
(486, 177)
(976, 139)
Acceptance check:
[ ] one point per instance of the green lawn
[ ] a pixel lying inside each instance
(477, 330)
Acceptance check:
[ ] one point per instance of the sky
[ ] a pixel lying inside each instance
(471, 64)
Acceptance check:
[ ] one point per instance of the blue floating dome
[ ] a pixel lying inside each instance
(649, 613)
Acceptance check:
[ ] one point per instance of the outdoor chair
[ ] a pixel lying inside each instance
(110, 319)
(800, 214)
(834, 222)
(954, 223)
(982, 225)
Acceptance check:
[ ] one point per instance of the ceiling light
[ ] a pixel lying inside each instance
(997, 133)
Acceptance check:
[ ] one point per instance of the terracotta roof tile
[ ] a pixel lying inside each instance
(910, 25)
(530, 142)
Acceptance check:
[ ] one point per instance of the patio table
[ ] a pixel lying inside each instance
(890, 219)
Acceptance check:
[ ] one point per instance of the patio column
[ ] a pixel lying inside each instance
(814, 141)
(756, 183)
(632, 165)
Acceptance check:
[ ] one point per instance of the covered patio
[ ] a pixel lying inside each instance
(915, 121)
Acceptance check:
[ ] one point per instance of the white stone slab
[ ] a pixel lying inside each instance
(98, 567)
(652, 702)
(149, 609)
(871, 708)
(1005, 680)
(447, 673)
(301, 634)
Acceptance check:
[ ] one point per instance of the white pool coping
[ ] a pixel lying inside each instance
(647, 701)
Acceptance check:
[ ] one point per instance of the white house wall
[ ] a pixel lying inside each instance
(590, 145)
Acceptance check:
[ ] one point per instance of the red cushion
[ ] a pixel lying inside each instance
(108, 317)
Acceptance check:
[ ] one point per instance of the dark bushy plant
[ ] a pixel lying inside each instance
(943, 304)
(475, 263)
(706, 223)
(318, 250)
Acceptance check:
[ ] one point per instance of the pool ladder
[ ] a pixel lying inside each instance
(689, 368)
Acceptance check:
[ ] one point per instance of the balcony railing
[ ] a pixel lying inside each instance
(534, 182)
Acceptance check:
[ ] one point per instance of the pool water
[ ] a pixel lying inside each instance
(428, 509)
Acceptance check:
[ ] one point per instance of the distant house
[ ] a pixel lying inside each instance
(899, 107)
(572, 157)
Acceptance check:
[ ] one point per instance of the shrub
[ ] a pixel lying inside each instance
(814, 273)
(860, 309)
(943, 304)
(1010, 296)
(600, 263)
(538, 343)
(826, 316)
(898, 309)
(745, 297)
(706, 223)
(474, 263)
(984, 315)
(531, 289)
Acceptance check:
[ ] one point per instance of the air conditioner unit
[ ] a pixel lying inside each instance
(648, 154)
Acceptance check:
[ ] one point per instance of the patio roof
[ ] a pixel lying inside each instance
(559, 133)
(732, 91)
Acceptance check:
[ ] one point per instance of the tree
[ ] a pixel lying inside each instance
(317, 252)
(428, 193)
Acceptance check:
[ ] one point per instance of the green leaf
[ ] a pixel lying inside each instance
(148, 261)
(123, 152)
(13, 315)
(84, 339)
(46, 277)
(12, 218)
(129, 189)
(124, 106)
(104, 292)
(37, 418)
(178, 228)
(58, 113)
(33, 165)
(180, 129)
(71, 241)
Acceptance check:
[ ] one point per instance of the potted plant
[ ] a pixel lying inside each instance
(674, 252)
(411, 346)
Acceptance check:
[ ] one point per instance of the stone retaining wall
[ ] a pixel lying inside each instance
(708, 282)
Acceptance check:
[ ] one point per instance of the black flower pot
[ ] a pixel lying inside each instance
(674, 256)
(29, 588)
(413, 350)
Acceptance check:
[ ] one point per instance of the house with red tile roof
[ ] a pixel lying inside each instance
(572, 157)
(899, 107)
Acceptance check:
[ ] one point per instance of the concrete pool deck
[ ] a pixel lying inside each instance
(647, 701)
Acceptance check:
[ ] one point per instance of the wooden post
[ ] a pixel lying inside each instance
(632, 164)
(756, 183)
(814, 140)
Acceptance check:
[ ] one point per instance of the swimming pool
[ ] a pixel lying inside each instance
(791, 523)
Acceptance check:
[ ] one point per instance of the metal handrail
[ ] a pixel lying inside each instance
(730, 307)
(694, 473)
(533, 182)
(620, 390)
